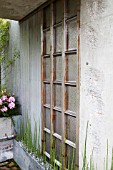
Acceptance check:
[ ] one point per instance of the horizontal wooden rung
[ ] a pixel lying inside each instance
(57, 109)
(46, 29)
(46, 82)
(57, 54)
(71, 18)
(57, 82)
(46, 55)
(56, 135)
(47, 106)
(47, 154)
(70, 83)
(70, 143)
(57, 24)
(72, 51)
(57, 163)
(47, 130)
(70, 113)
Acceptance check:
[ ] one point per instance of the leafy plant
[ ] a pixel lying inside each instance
(4, 37)
(5, 62)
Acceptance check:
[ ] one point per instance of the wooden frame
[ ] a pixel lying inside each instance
(64, 83)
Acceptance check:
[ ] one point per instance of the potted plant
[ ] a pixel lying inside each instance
(8, 110)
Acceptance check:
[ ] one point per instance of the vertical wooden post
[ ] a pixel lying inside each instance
(63, 91)
(78, 86)
(42, 84)
(51, 81)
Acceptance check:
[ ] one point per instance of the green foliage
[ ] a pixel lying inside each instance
(26, 137)
(4, 37)
(107, 157)
(4, 43)
(91, 165)
(112, 160)
(33, 145)
(91, 162)
(85, 165)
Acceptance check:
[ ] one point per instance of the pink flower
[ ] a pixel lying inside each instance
(4, 109)
(11, 99)
(11, 105)
(0, 101)
(4, 97)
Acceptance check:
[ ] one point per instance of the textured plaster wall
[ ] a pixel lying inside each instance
(30, 47)
(96, 91)
(13, 74)
(24, 77)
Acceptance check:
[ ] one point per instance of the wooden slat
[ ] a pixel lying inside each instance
(46, 82)
(70, 113)
(46, 56)
(70, 83)
(56, 161)
(57, 25)
(57, 109)
(47, 130)
(70, 143)
(71, 19)
(47, 106)
(73, 51)
(47, 154)
(58, 82)
(57, 54)
(57, 136)
(46, 29)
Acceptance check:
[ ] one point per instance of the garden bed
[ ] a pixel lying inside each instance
(27, 161)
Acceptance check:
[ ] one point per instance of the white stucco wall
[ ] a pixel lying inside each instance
(96, 91)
